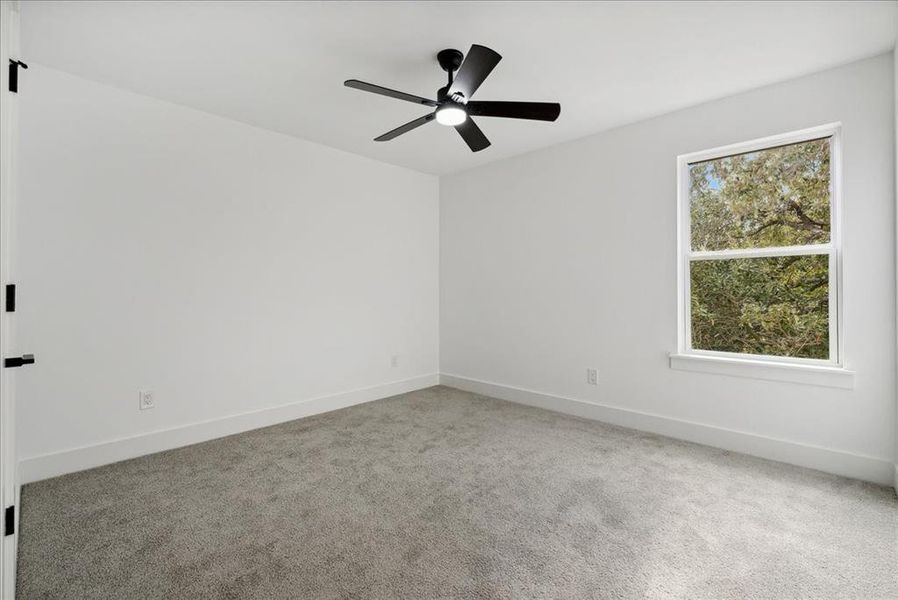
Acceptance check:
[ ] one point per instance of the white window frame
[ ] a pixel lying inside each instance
(756, 365)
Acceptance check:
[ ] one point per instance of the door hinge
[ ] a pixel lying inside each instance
(10, 297)
(14, 74)
(9, 520)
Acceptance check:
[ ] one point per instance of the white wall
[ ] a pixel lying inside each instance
(225, 267)
(565, 258)
(230, 270)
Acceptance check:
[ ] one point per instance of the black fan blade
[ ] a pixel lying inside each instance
(405, 128)
(472, 135)
(479, 62)
(377, 89)
(536, 111)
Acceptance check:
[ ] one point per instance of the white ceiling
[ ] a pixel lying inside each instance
(281, 65)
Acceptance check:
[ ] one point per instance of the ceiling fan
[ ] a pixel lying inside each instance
(454, 106)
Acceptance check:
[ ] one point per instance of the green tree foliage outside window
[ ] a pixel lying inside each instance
(777, 197)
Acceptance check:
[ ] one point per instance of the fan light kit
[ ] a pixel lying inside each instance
(454, 107)
(451, 115)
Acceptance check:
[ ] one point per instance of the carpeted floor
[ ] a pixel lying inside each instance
(444, 494)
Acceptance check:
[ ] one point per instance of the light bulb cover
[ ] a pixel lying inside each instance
(451, 115)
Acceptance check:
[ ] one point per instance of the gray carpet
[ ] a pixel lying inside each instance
(444, 494)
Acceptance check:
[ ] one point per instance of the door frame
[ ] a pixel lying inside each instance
(9, 476)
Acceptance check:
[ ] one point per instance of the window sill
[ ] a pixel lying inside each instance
(837, 377)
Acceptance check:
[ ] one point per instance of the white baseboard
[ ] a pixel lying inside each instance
(77, 459)
(848, 464)
(856, 466)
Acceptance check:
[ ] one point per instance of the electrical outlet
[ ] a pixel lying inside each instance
(394, 361)
(592, 377)
(147, 401)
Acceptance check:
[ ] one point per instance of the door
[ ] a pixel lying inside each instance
(9, 39)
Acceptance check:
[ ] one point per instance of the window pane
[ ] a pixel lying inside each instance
(775, 306)
(773, 197)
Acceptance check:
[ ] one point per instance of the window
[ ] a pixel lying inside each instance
(759, 273)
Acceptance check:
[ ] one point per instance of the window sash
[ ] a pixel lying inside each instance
(686, 256)
(832, 317)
